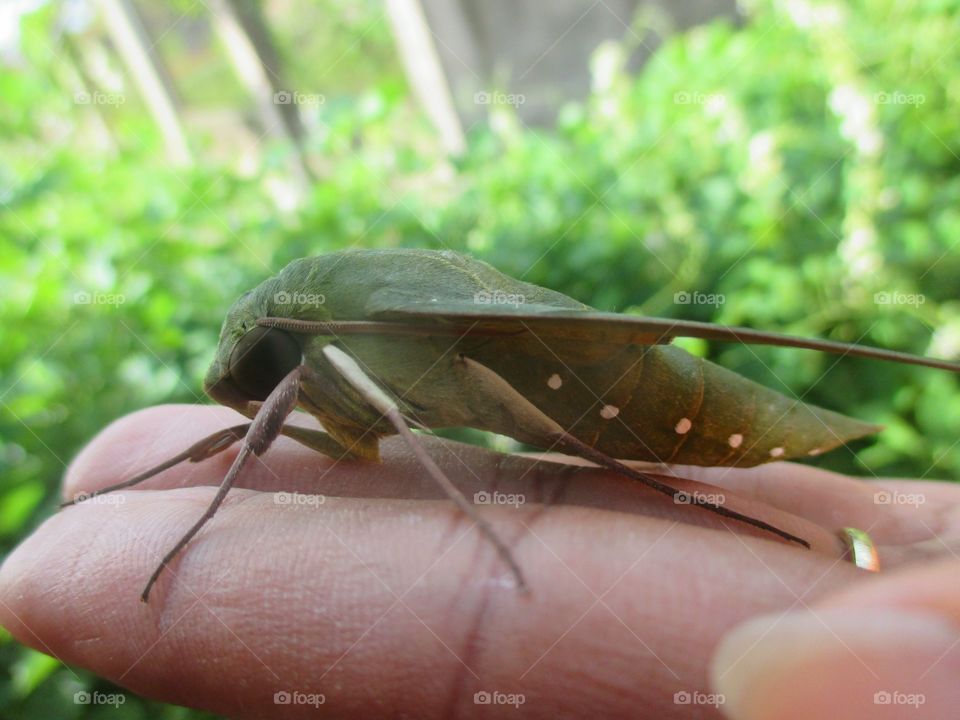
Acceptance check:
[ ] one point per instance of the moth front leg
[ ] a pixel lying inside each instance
(214, 444)
(256, 436)
(266, 427)
(499, 407)
(209, 446)
(318, 440)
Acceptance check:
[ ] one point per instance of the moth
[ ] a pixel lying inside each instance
(375, 342)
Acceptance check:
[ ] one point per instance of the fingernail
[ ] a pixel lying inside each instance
(839, 663)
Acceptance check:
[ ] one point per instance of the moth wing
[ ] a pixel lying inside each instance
(499, 316)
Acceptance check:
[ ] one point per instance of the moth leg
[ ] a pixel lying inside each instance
(208, 447)
(504, 403)
(357, 378)
(214, 444)
(266, 426)
(317, 440)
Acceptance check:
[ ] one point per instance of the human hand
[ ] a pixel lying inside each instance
(383, 600)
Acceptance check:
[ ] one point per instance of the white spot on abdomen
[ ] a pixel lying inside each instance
(554, 382)
(776, 452)
(815, 451)
(608, 412)
(683, 426)
(735, 440)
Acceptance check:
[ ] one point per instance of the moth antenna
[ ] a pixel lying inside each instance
(335, 328)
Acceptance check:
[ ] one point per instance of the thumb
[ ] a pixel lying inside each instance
(887, 647)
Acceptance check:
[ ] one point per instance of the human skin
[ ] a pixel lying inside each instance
(383, 600)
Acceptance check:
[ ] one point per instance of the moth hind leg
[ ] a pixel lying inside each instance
(499, 405)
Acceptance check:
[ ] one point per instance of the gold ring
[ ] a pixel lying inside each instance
(860, 549)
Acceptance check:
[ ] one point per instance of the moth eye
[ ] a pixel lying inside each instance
(261, 359)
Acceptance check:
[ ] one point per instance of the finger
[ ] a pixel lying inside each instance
(885, 648)
(324, 600)
(139, 441)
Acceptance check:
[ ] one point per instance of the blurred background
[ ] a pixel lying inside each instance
(790, 165)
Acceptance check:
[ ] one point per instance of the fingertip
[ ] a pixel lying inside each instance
(837, 662)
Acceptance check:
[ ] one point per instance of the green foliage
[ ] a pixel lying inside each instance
(803, 168)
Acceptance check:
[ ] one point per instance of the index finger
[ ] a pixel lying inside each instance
(139, 441)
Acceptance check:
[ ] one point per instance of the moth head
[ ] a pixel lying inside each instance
(255, 364)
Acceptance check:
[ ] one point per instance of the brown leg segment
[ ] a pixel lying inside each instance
(261, 433)
(206, 448)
